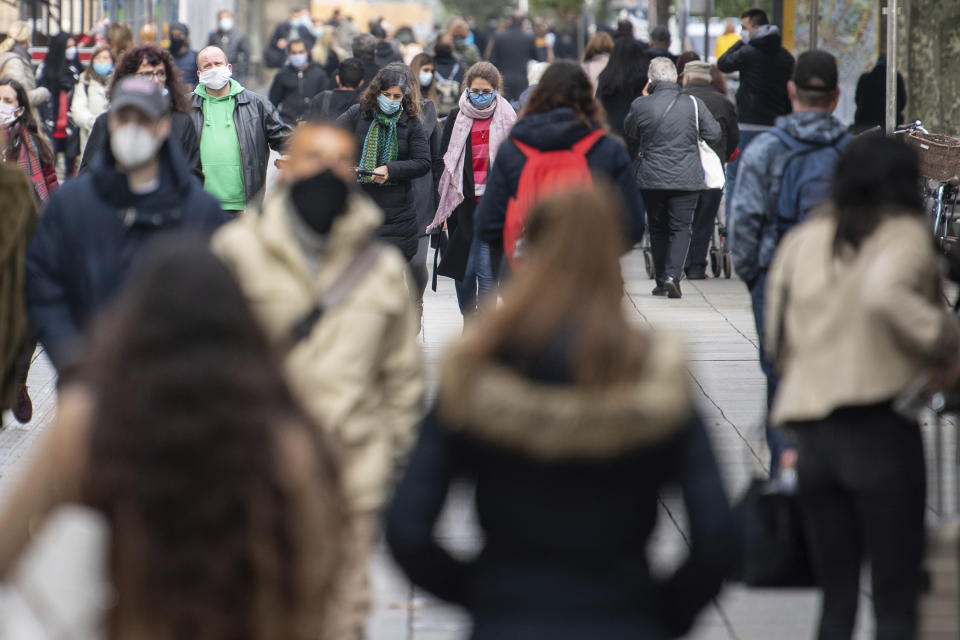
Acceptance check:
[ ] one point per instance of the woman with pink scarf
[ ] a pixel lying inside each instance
(471, 137)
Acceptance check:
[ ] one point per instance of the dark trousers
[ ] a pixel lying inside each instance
(776, 441)
(670, 217)
(703, 218)
(862, 490)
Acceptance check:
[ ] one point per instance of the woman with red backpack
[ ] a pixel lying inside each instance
(561, 126)
(471, 138)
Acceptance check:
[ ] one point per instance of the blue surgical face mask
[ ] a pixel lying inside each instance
(482, 100)
(298, 59)
(103, 68)
(388, 106)
(426, 78)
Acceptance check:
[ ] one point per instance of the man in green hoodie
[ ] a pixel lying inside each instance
(237, 129)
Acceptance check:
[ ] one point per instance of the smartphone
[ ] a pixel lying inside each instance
(366, 172)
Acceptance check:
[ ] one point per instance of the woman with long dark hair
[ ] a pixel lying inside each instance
(568, 420)
(854, 317)
(424, 67)
(394, 151)
(223, 504)
(24, 145)
(622, 81)
(472, 137)
(561, 114)
(154, 63)
(59, 74)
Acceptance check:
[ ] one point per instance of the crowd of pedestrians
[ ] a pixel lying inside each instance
(260, 338)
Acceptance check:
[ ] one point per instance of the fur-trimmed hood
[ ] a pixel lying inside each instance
(557, 422)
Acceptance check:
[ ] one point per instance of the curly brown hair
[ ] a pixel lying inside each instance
(153, 54)
(483, 70)
(190, 415)
(564, 84)
(391, 77)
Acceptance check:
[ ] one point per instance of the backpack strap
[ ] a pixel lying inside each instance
(336, 293)
(583, 145)
(643, 146)
(526, 149)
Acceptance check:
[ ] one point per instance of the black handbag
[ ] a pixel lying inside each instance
(774, 541)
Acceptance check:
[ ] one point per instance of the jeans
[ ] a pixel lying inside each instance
(703, 222)
(862, 491)
(776, 441)
(478, 279)
(670, 218)
(746, 137)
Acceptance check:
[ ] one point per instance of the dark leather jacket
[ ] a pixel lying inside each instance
(259, 129)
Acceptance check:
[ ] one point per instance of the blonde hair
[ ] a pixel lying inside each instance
(19, 31)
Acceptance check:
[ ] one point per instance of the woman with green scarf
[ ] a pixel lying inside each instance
(394, 149)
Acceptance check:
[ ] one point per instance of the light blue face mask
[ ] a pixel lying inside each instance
(482, 100)
(388, 106)
(103, 68)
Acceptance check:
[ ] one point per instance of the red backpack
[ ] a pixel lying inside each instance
(545, 173)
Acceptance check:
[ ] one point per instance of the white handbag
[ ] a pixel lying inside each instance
(713, 176)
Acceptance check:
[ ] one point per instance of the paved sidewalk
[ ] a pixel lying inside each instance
(715, 318)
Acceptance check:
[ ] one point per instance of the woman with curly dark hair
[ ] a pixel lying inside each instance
(221, 499)
(24, 144)
(394, 152)
(561, 115)
(152, 62)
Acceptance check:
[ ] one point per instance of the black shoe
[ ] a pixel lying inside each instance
(696, 275)
(659, 290)
(672, 286)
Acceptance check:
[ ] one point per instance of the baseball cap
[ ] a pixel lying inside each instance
(816, 70)
(141, 94)
(697, 68)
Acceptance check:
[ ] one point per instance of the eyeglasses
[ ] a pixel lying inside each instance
(159, 74)
(477, 92)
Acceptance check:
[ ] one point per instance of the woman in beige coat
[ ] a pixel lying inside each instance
(854, 316)
(90, 96)
(15, 61)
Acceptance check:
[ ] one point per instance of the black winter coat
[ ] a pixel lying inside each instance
(92, 231)
(553, 130)
(49, 112)
(765, 67)
(617, 104)
(413, 160)
(292, 90)
(565, 531)
(511, 52)
(461, 220)
(723, 111)
(333, 107)
(668, 155)
(181, 130)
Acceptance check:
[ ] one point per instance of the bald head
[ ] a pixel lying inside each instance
(210, 57)
(317, 146)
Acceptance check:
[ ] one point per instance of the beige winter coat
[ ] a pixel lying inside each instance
(855, 329)
(359, 373)
(89, 101)
(15, 67)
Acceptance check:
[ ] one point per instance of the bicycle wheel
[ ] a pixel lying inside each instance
(648, 264)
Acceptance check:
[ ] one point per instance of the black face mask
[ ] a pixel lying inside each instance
(320, 200)
(176, 44)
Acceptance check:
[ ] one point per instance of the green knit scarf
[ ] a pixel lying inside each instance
(380, 146)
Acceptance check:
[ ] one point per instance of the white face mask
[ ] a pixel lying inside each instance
(226, 24)
(133, 146)
(8, 114)
(71, 53)
(216, 78)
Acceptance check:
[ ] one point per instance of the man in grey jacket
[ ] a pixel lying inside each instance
(661, 131)
(233, 42)
(237, 129)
